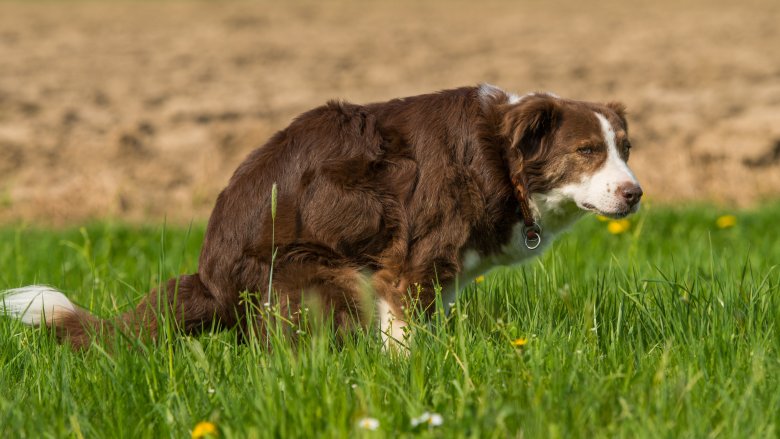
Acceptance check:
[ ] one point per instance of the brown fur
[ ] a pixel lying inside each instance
(381, 198)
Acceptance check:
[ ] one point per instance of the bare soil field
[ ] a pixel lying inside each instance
(142, 110)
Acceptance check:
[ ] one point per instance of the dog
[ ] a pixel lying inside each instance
(394, 198)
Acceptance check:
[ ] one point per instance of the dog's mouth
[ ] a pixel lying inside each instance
(618, 214)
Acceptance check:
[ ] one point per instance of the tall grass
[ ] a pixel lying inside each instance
(666, 330)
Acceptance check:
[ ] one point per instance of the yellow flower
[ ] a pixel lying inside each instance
(617, 227)
(204, 429)
(726, 221)
(520, 342)
(479, 279)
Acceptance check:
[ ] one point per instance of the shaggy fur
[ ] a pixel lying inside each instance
(377, 203)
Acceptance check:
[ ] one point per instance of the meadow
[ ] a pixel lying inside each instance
(664, 326)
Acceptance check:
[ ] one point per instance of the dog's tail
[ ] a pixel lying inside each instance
(37, 305)
(191, 304)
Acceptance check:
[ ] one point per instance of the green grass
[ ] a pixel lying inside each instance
(668, 330)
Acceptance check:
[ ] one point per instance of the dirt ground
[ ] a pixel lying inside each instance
(141, 110)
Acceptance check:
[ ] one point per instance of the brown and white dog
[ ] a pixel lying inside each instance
(390, 198)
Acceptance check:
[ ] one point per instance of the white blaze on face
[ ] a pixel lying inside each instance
(600, 191)
(615, 164)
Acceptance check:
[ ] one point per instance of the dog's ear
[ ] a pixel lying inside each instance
(620, 109)
(527, 123)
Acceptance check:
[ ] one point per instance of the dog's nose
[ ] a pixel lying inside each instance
(630, 192)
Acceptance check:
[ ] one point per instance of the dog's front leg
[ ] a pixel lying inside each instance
(391, 325)
(390, 303)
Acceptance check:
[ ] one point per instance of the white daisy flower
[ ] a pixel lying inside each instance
(368, 423)
(429, 419)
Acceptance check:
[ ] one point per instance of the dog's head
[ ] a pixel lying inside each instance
(575, 151)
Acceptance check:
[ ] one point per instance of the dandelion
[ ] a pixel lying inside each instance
(429, 419)
(726, 221)
(368, 423)
(519, 342)
(617, 227)
(204, 429)
(479, 279)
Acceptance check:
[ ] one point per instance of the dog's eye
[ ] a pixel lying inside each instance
(585, 150)
(627, 145)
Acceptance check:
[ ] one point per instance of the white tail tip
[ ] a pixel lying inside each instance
(35, 304)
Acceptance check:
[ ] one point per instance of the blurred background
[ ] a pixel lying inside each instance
(142, 110)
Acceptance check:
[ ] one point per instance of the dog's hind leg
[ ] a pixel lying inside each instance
(333, 293)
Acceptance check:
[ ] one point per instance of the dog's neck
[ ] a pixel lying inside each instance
(553, 211)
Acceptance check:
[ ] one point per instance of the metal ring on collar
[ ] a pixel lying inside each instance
(532, 243)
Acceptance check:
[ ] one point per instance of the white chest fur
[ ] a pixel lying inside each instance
(554, 215)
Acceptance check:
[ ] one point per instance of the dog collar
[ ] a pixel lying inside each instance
(531, 229)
